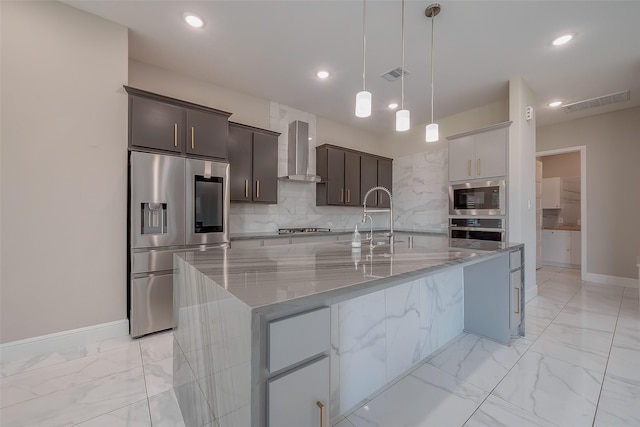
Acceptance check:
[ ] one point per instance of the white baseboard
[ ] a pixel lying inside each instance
(611, 280)
(59, 341)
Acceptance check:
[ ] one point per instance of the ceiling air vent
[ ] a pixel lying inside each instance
(596, 102)
(394, 74)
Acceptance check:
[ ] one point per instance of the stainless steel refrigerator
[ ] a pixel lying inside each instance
(175, 204)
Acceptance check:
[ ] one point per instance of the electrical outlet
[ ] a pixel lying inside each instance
(560, 220)
(329, 224)
(443, 225)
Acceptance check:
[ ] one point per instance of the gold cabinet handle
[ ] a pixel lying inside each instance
(342, 194)
(469, 167)
(192, 143)
(246, 188)
(322, 412)
(479, 173)
(517, 311)
(348, 195)
(175, 134)
(257, 189)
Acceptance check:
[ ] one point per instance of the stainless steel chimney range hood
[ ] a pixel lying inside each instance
(298, 154)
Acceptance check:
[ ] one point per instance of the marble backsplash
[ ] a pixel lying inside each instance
(419, 192)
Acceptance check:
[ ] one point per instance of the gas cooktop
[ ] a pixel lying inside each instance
(302, 230)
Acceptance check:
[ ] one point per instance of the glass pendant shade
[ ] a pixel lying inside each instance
(432, 132)
(363, 104)
(403, 120)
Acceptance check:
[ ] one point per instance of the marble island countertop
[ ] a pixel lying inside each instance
(332, 232)
(268, 276)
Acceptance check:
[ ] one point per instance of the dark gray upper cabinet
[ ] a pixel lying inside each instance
(369, 179)
(348, 174)
(240, 163)
(335, 176)
(162, 123)
(207, 134)
(253, 160)
(384, 180)
(351, 179)
(376, 171)
(154, 124)
(265, 167)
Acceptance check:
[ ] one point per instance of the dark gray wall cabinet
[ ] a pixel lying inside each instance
(253, 160)
(340, 174)
(160, 123)
(346, 175)
(376, 171)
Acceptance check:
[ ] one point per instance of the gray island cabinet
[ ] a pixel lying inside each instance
(297, 335)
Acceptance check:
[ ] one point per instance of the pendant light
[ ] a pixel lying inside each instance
(431, 132)
(363, 98)
(403, 118)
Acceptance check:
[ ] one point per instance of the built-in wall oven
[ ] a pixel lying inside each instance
(475, 228)
(175, 204)
(478, 198)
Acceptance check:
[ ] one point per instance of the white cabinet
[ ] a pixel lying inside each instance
(462, 155)
(300, 398)
(556, 246)
(516, 282)
(561, 247)
(298, 363)
(478, 156)
(297, 338)
(551, 193)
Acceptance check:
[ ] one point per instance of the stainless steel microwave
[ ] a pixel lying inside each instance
(478, 198)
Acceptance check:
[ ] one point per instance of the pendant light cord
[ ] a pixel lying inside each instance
(402, 80)
(432, 43)
(364, 44)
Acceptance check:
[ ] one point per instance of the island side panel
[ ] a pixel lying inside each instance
(381, 336)
(212, 350)
(487, 298)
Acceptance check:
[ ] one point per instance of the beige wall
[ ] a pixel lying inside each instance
(399, 144)
(562, 165)
(612, 143)
(246, 109)
(64, 173)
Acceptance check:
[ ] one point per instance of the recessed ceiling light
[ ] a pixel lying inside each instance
(193, 20)
(566, 38)
(555, 104)
(393, 106)
(323, 74)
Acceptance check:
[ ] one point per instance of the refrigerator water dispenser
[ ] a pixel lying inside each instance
(154, 218)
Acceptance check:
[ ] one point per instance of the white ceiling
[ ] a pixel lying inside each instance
(272, 49)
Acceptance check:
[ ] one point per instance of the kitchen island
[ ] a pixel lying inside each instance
(297, 335)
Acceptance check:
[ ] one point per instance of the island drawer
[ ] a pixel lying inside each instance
(297, 338)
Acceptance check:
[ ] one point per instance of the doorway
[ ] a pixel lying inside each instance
(564, 213)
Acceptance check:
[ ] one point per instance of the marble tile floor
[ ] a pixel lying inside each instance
(579, 365)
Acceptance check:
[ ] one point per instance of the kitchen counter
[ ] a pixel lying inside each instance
(564, 227)
(276, 235)
(277, 335)
(264, 277)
